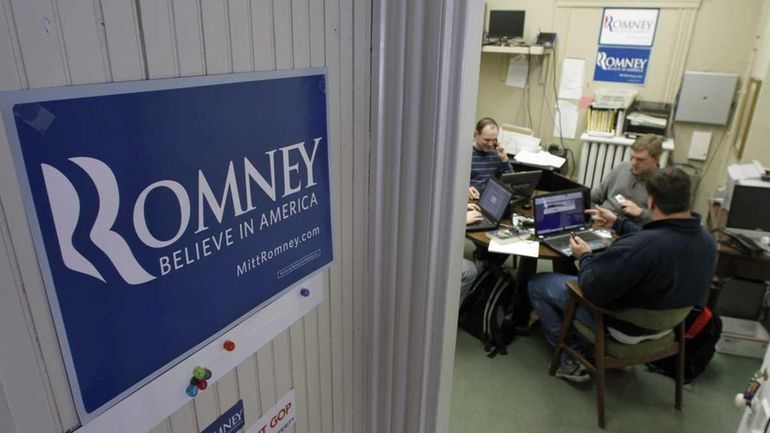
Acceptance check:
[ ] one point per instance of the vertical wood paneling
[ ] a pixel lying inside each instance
(184, 420)
(227, 390)
(317, 49)
(241, 39)
(11, 68)
(284, 55)
(312, 371)
(262, 34)
(332, 19)
(123, 40)
(188, 35)
(298, 374)
(216, 36)
(325, 361)
(282, 364)
(38, 32)
(266, 376)
(82, 41)
(248, 388)
(206, 406)
(163, 427)
(6, 422)
(300, 29)
(158, 28)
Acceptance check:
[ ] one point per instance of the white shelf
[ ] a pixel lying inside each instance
(535, 50)
(668, 144)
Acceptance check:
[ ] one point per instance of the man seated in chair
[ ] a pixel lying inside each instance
(664, 264)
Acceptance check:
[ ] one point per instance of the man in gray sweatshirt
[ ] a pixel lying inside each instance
(623, 190)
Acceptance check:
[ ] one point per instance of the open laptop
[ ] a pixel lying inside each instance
(521, 184)
(749, 215)
(559, 215)
(493, 202)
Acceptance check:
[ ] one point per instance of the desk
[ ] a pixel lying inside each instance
(730, 262)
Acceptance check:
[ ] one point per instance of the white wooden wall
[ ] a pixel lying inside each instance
(67, 42)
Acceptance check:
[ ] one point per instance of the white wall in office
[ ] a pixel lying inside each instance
(65, 42)
(701, 35)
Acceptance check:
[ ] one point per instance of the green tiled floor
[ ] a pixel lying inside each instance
(514, 393)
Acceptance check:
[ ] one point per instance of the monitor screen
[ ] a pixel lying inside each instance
(494, 199)
(506, 24)
(750, 208)
(557, 212)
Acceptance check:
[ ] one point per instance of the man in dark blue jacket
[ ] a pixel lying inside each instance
(666, 263)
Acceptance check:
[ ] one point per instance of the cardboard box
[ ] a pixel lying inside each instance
(743, 337)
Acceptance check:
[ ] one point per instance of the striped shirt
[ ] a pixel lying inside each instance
(485, 165)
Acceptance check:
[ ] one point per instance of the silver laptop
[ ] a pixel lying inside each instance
(559, 215)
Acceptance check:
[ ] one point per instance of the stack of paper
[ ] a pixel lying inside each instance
(541, 158)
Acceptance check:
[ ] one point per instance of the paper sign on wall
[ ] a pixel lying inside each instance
(628, 27)
(622, 65)
(279, 418)
(166, 212)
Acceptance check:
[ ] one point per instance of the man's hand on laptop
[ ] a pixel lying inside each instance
(473, 216)
(602, 217)
(474, 206)
(473, 193)
(578, 247)
(630, 208)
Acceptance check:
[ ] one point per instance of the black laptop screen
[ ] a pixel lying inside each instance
(494, 200)
(557, 212)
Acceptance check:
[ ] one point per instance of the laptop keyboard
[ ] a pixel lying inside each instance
(561, 242)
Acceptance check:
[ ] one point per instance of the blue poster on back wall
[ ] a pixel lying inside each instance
(621, 65)
(164, 212)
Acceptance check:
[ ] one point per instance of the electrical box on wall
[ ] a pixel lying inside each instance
(706, 97)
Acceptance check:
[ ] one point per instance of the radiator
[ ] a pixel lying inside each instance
(599, 155)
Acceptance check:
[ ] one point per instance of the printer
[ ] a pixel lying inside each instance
(644, 117)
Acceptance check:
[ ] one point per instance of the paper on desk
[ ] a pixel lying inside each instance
(519, 247)
(567, 111)
(518, 71)
(571, 86)
(541, 158)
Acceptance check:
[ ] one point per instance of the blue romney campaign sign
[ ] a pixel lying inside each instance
(621, 65)
(164, 212)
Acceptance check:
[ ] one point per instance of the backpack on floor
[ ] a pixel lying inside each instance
(702, 331)
(487, 311)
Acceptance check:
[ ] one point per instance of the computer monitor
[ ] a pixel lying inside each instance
(750, 210)
(506, 24)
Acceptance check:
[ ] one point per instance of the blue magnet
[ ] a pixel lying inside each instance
(304, 292)
(192, 390)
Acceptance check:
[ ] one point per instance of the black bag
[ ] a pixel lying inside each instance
(487, 311)
(703, 329)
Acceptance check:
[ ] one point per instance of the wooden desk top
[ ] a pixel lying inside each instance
(732, 263)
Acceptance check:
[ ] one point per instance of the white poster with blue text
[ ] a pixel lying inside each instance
(621, 65)
(165, 212)
(628, 27)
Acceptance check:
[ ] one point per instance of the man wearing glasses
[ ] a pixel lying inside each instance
(489, 159)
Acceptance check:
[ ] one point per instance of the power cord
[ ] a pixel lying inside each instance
(567, 152)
